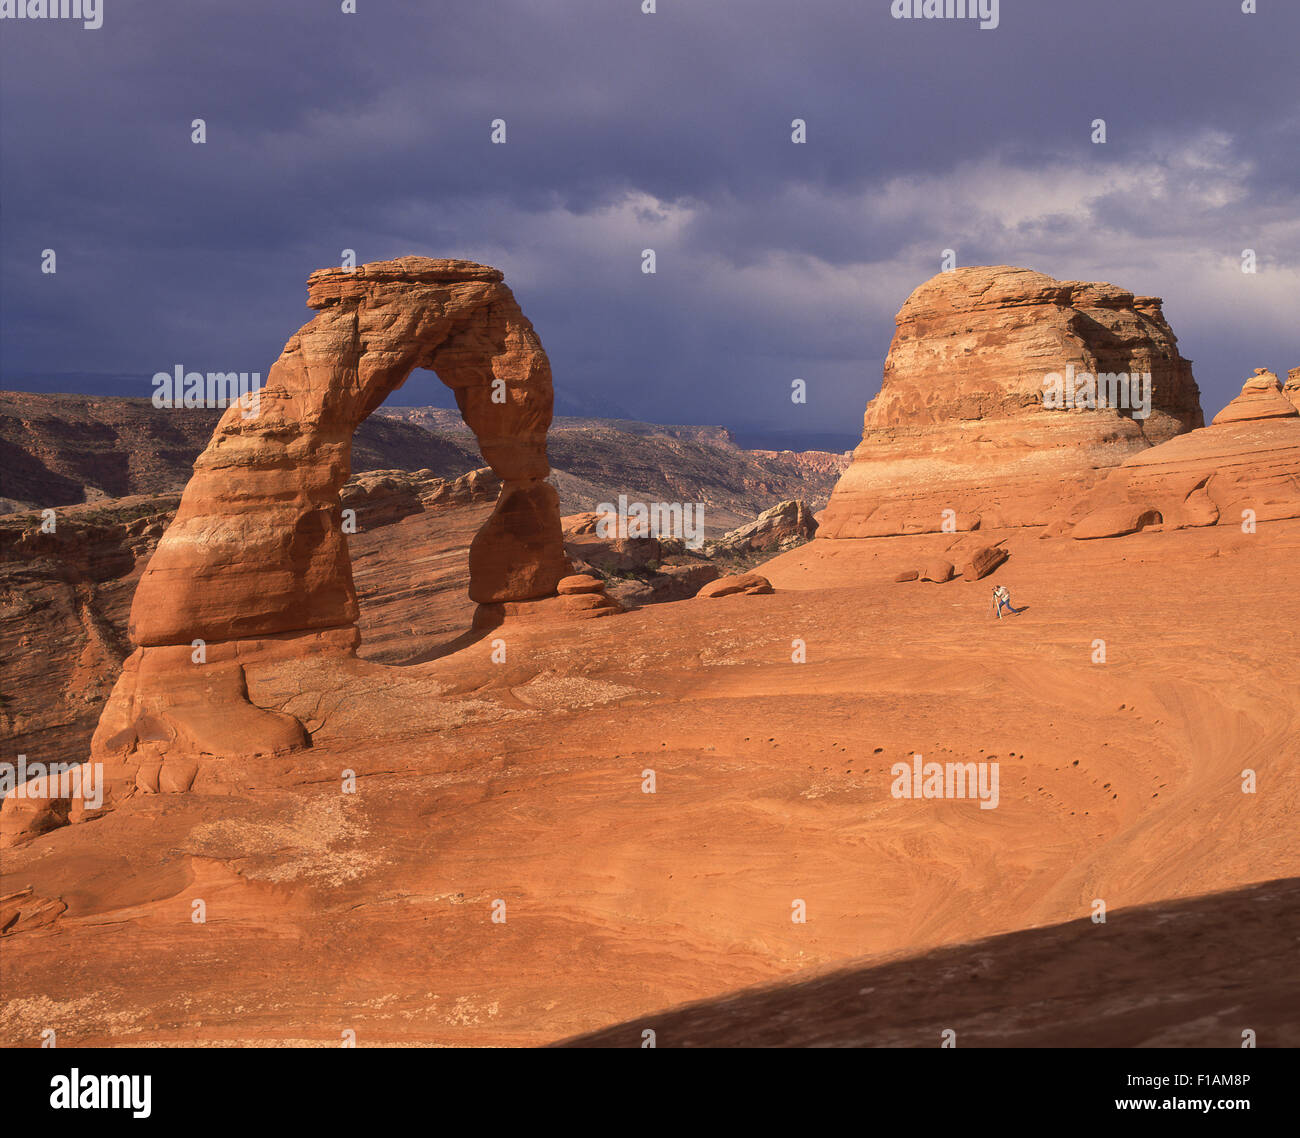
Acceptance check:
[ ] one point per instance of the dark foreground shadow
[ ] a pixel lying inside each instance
(464, 640)
(1194, 973)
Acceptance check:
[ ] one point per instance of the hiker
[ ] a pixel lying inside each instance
(1001, 599)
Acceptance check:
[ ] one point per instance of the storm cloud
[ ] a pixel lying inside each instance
(627, 131)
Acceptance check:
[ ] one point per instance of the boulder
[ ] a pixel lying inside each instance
(749, 584)
(616, 555)
(938, 570)
(983, 562)
(907, 575)
(579, 583)
(1115, 521)
(679, 581)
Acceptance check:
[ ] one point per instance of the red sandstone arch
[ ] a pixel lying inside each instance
(255, 564)
(256, 547)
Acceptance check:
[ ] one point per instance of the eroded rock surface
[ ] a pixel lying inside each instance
(1243, 468)
(1261, 398)
(1291, 389)
(747, 584)
(959, 432)
(779, 528)
(254, 567)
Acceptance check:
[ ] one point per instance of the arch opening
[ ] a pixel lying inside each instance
(254, 571)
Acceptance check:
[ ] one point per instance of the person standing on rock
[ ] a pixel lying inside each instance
(1002, 599)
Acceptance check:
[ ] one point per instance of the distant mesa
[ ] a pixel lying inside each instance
(960, 424)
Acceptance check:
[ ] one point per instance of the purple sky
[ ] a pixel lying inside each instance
(627, 131)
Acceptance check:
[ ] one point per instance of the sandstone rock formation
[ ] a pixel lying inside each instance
(380, 497)
(1245, 465)
(782, 527)
(615, 555)
(23, 910)
(960, 423)
(983, 562)
(477, 779)
(1292, 387)
(1261, 398)
(257, 546)
(938, 570)
(255, 567)
(580, 583)
(749, 584)
(1116, 521)
(66, 582)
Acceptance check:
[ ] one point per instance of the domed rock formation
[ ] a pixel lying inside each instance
(1248, 459)
(965, 420)
(254, 567)
(1261, 398)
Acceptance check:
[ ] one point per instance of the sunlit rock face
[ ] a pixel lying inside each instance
(968, 430)
(254, 572)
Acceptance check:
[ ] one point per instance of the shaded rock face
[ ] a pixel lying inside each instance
(255, 568)
(58, 450)
(961, 424)
(1244, 466)
(64, 599)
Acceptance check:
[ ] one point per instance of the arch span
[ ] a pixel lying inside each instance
(256, 547)
(254, 572)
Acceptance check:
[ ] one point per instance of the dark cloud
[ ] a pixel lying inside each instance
(328, 131)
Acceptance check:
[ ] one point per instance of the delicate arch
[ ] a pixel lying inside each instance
(256, 547)
(255, 568)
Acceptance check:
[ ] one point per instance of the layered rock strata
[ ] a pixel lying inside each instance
(968, 430)
(254, 567)
(1242, 469)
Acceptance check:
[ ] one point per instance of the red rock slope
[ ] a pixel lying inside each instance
(1241, 470)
